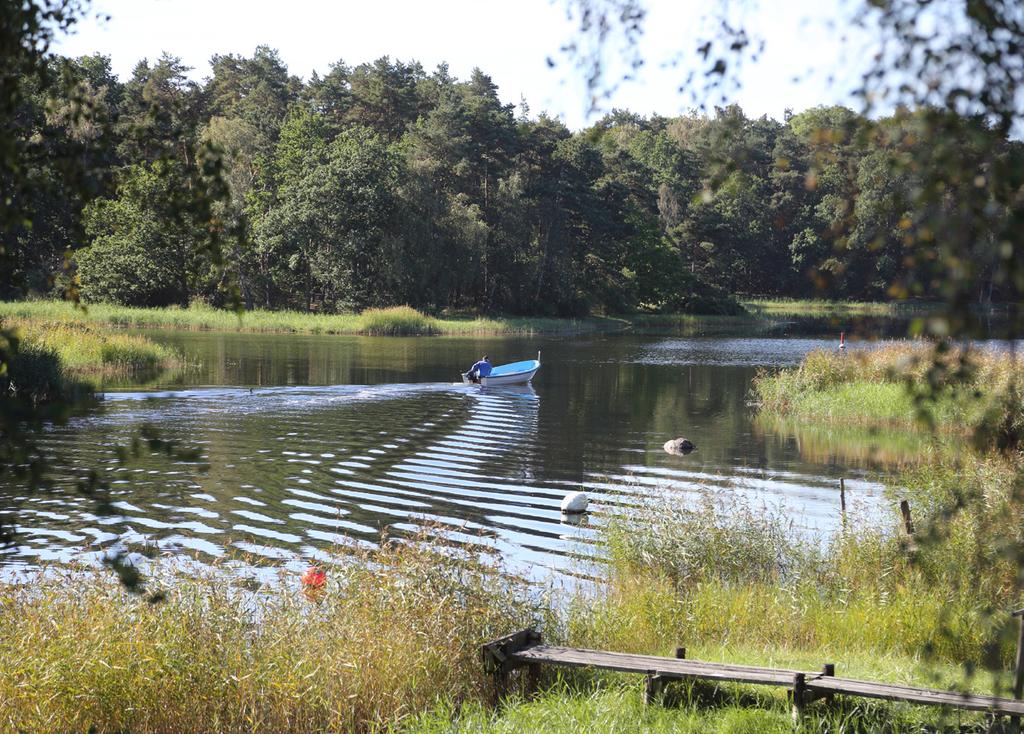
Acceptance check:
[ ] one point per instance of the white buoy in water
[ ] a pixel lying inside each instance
(575, 502)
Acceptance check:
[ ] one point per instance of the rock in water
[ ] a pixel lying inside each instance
(575, 502)
(679, 446)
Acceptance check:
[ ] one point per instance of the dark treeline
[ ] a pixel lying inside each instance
(382, 184)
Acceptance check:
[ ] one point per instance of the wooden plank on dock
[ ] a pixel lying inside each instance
(910, 694)
(524, 648)
(574, 657)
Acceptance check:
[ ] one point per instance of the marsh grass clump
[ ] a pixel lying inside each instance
(796, 308)
(88, 349)
(395, 631)
(906, 386)
(396, 321)
(725, 540)
(729, 574)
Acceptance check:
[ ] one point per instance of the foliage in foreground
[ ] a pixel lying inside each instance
(396, 631)
(616, 705)
(394, 641)
(619, 709)
(50, 363)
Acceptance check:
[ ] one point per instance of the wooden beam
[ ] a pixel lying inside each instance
(799, 694)
(908, 524)
(524, 648)
(1018, 668)
(498, 661)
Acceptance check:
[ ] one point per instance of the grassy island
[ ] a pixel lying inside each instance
(62, 360)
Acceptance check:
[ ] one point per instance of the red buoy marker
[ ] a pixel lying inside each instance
(842, 340)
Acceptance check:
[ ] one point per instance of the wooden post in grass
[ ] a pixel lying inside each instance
(907, 522)
(532, 684)
(651, 687)
(828, 670)
(1018, 668)
(799, 694)
(495, 656)
(655, 684)
(842, 501)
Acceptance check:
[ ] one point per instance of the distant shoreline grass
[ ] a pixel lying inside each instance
(396, 321)
(795, 308)
(405, 321)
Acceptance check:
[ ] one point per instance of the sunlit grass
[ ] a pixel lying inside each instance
(89, 349)
(609, 709)
(391, 321)
(396, 321)
(615, 704)
(394, 632)
(725, 573)
(884, 388)
(781, 308)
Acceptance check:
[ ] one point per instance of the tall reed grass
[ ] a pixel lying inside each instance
(84, 348)
(396, 321)
(200, 317)
(795, 307)
(723, 573)
(395, 632)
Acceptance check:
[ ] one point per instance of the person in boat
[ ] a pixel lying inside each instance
(480, 369)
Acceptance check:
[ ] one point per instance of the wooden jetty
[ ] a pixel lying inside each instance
(525, 649)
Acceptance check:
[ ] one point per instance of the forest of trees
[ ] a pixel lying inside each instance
(384, 184)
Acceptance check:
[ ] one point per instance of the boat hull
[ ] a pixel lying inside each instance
(516, 378)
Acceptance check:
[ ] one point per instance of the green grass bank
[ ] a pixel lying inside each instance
(796, 308)
(396, 321)
(59, 362)
(903, 386)
(87, 349)
(405, 321)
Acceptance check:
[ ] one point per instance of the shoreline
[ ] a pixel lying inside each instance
(403, 321)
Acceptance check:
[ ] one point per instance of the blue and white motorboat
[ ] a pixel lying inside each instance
(515, 373)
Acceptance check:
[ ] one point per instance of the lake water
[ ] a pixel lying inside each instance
(308, 441)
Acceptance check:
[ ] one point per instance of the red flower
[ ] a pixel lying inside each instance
(314, 577)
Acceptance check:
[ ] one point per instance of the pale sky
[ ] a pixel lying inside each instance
(510, 40)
